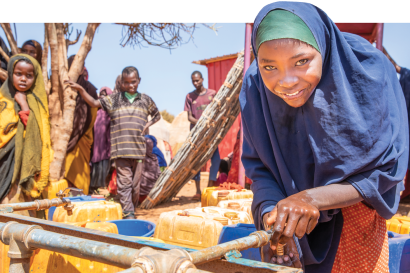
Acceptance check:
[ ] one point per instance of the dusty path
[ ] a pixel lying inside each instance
(181, 201)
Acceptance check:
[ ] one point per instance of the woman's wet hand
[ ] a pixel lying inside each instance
(295, 215)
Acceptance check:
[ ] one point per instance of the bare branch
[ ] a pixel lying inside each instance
(165, 35)
(69, 43)
(3, 75)
(9, 34)
(82, 53)
(4, 54)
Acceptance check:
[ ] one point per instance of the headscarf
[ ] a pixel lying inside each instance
(155, 150)
(37, 46)
(353, 128)
(117, 87)
(31, 143)
(102, 141)
(82, 116)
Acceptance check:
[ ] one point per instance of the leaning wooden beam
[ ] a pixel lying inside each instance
(9, 34)
(203, 140)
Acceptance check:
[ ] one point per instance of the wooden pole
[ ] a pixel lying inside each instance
(247, 63)
(379, 37)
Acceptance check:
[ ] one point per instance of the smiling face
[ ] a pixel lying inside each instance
(23, 76)
(290, 69)
(130, 82)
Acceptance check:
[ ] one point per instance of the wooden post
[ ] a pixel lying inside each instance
(379, 36)
(247, 63)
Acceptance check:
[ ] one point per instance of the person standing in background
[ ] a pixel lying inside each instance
(34, 49)
(77, 163)
(102, 146)
(151, 170)
(195, 104)
(129, 111)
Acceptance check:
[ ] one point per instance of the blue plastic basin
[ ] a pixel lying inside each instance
(134, 227)
(399, 253)
(233, 232)
(84, 198)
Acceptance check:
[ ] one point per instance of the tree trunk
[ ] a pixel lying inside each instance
(44, 61)
(61, 140)
(55, 107)
(9, 34)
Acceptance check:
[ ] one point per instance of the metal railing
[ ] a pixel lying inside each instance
(23, 238)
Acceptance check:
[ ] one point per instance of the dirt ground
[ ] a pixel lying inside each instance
(181, 201)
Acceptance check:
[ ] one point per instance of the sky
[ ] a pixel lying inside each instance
(166, 74)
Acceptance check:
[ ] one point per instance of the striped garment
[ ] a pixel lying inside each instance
(127, 122)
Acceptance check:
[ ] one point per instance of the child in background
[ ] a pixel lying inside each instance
(24, 132)
(129, 111)
(223, 173)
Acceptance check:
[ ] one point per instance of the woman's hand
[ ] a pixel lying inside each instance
(290, 255)
(74, 85)
(296, 214)
(21, 99)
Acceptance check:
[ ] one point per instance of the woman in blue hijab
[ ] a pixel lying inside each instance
(325, 141)
(156, 151)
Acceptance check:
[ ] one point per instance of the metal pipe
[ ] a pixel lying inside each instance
(247, 62)
(37, 204)
(256, 239)
(82, 248)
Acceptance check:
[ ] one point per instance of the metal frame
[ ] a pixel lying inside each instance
(24, 234)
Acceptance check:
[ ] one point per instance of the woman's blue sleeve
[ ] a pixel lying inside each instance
(266, 190)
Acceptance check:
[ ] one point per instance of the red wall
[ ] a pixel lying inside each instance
(217, 73)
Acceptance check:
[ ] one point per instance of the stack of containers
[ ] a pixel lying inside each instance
(238, 205)
(211, 196)
(399, 224)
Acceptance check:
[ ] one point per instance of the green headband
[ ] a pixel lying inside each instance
(282, 24)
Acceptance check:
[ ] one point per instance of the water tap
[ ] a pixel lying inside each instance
(68, 205)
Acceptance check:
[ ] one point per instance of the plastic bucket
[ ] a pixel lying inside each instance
(134, 227)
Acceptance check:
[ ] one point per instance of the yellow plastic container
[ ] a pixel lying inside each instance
(399, 224)
(243, 217)
(186, 231)
(213, 197)
(206, 195)
(232, 204)
(89, 212)
(51, 191)
(49, 261)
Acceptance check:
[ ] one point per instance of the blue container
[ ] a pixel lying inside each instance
(399, 253)
(134, 227)
(84, 198)
(237, 231)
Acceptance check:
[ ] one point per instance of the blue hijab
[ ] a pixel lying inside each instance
(156, 151)
(353, 128)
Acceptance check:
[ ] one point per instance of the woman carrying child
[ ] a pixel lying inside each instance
(77, 163)
(325, 141)
(24, 132)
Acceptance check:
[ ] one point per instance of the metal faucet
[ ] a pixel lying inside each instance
(68, 205)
